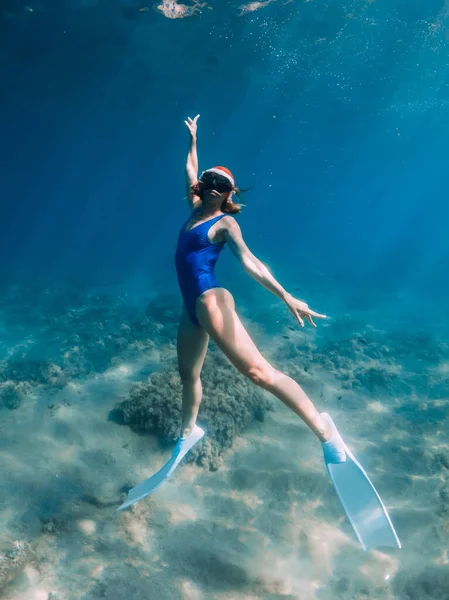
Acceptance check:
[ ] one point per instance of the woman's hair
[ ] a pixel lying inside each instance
(228, 206)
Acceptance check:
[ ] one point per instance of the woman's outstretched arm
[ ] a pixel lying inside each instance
(258, 271)
(192, 161)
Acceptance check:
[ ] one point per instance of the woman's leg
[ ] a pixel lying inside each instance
(215, 310)
(192, 347)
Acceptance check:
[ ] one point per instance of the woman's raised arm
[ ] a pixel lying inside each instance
(192, 161)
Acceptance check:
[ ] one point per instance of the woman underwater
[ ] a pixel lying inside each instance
(209, 312)
(209, 309)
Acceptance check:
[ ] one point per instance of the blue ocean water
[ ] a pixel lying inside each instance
(336, 115)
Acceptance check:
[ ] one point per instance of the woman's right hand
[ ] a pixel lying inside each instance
(191, 125)
(300, 310)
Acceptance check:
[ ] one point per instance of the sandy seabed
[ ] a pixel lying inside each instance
(263, 521)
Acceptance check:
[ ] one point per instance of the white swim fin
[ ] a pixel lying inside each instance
(148, 486)
(363, 506)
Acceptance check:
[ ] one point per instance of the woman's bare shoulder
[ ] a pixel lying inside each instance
(228, 222)
(194, 202)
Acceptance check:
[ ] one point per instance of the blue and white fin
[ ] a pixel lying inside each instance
(151, 484)
(363, 505)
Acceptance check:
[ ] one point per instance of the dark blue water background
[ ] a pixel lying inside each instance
(337, 115)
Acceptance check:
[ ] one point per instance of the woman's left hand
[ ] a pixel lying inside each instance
(300, 310)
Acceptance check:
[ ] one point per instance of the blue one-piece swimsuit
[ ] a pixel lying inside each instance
(195, 261)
